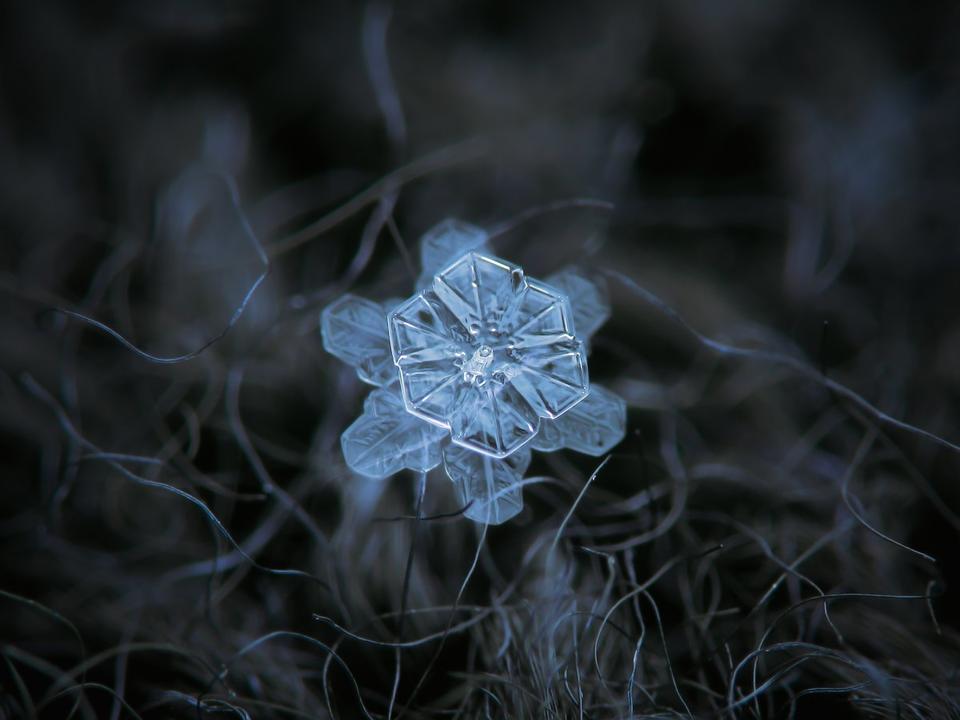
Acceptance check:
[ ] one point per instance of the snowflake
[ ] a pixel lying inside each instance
(472, 371)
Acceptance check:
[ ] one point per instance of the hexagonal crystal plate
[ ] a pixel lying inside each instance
(487, 352)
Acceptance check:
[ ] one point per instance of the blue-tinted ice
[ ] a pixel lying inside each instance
(355, 330)
(587, 296)
(387, 439)
(487, 352)
(592, 427)
(490, 363)
(445, 242)
(487, 487)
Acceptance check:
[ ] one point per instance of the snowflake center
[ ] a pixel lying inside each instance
(485, 360)
(475, 369)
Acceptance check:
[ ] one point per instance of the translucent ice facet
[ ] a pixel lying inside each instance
(487, 352)
(444, 243)
(355, 330)
(386, 438)
(489, 485)
(388, 305)
(588, 298)
(593, 427)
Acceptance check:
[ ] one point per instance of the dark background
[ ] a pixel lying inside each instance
(783, 174)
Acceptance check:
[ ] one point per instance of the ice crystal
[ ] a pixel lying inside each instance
(488, 488)
(587, 296)
(386, 438)
(487, 352)
(479, 366)
(446, 242)
(592, 427)
(353, 329)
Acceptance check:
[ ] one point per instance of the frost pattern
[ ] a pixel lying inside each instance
(355, 330)
(592, 427)
(386, 438)
(490, 486)
(487, 352)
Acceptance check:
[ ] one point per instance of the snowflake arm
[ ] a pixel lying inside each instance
(386, 438)
(489, 488)
(593, 427)
(355, 331)
(588, 298)
(445, 242)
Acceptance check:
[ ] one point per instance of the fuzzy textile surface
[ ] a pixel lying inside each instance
(770, 191)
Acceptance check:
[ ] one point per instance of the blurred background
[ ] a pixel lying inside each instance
(179, 535)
